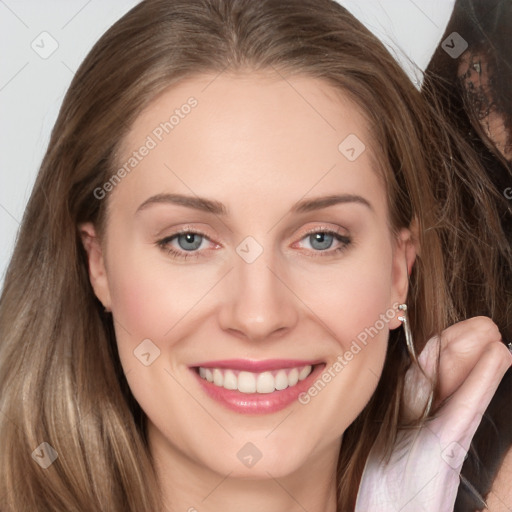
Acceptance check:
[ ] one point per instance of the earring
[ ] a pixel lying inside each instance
(407, 331)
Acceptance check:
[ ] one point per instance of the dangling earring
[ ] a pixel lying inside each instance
(407, 331)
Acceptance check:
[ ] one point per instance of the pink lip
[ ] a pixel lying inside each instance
(257, 403)
(256, 366)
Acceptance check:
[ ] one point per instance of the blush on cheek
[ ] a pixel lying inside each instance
(136, 305)
(148, 300)
(357, 306)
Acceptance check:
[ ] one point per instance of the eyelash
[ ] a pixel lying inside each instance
(176, 254)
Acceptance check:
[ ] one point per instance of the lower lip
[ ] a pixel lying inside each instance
(258, 403)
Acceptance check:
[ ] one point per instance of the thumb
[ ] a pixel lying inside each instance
(458, 419)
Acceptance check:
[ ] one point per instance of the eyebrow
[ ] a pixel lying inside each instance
(217, 208)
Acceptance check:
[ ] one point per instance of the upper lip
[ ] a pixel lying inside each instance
(250, 365)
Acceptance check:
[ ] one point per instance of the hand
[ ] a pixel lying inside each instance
(423, 472)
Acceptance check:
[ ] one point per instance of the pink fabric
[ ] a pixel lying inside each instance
(423, 473)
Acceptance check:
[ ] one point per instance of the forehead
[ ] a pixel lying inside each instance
(246, 132)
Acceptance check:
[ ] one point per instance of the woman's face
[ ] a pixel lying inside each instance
(292, 326)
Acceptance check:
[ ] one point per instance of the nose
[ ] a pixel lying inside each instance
(260, 303)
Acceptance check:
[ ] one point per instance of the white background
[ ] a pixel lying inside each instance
(32, 88)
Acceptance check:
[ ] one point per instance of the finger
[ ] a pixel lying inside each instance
(471, 332)
(460, 416)
(462, 347)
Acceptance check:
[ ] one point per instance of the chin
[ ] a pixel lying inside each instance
(261, 459)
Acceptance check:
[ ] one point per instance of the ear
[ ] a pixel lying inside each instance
(96, 263)
(404, 256)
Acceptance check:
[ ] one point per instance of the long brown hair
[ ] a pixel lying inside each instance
(61, 380)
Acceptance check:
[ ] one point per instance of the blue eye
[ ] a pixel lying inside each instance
(189, 242)
(322, 239)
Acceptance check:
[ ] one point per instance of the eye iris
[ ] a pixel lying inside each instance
(325, 240)
(189, 237)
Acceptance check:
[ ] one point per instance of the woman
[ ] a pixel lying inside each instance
(202, 152)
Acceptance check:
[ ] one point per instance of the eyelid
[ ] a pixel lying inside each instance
(184, 231)
(335, 231)
(182, 254)
(164, 243)
(323, 228)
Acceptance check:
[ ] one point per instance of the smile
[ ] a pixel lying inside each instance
(256, 387)
(249, 382)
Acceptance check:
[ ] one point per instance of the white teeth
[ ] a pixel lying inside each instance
(248, 382)
(265, 383)
(281, 380)
(218, 378)
(304, 372)
(230, 380)
(293, 377)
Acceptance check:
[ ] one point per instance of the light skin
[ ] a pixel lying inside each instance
(259, 146)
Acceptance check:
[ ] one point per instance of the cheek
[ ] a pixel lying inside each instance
(355, 305)
(136, 299)
(150, 299)
(351, 296)
(352, 301)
